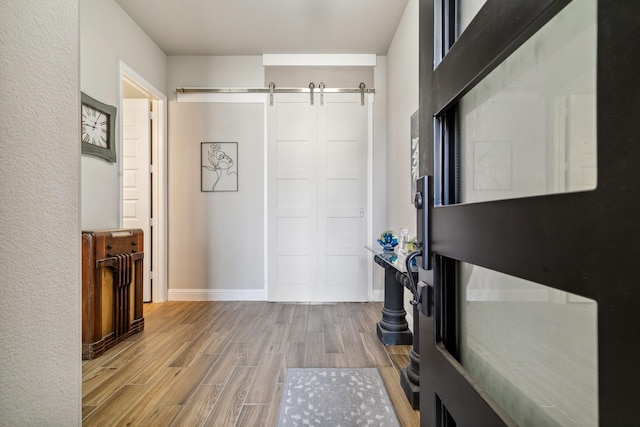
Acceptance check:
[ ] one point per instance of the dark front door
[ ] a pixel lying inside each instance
(529, 114)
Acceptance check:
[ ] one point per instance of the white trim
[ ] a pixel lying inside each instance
(217, 295)
(159, 203)
(159, 177)
(348, 60)
(370, 117)
(265, 188)
(242, 98)
(377, 295)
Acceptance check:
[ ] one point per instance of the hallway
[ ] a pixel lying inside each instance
(223, 363)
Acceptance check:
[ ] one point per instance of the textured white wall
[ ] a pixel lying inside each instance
(108, 35)
(40, 376)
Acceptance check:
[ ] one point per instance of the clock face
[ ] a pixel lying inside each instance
(95, 127)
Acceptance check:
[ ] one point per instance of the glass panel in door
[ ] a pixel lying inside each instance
(531, 347)
(529, 127)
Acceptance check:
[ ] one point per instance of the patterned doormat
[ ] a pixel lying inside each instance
(335, 398)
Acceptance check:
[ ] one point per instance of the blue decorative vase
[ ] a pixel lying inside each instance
(388, 240)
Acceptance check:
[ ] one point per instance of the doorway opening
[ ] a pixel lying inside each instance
(144, 189)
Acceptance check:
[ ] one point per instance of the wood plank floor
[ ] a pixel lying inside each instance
(223, 363)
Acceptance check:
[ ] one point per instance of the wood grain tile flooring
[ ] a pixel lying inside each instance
(223, 363)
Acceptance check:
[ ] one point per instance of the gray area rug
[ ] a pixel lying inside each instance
(335, 398)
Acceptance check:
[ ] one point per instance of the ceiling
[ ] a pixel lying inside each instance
(254, 27)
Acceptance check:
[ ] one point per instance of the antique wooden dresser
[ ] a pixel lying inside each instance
(112, 267)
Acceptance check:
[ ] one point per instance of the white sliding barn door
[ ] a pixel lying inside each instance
(317, 160)
(292, 195)
(342, 198)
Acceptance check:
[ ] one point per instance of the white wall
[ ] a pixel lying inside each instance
(216, 238)
(402, 102)
(214, 71)
(107, 36)
(379, 168)
(40, 352)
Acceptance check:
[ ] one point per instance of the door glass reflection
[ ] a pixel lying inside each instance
(529, 127)
(531, 347)
(465, 11)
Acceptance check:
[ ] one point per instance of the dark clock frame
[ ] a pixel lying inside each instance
(109, 153)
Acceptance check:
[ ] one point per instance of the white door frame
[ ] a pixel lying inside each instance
(370, 100)
(159, 176)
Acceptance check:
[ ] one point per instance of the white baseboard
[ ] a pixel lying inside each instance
(377, 295)
(217, 295)
(235, 295)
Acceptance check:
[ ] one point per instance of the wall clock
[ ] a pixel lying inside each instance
(98, 123)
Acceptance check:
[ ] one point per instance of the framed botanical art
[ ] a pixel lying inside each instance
(218, 166)
(98, 124)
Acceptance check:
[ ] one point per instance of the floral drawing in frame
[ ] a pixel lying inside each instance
(219, 166)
